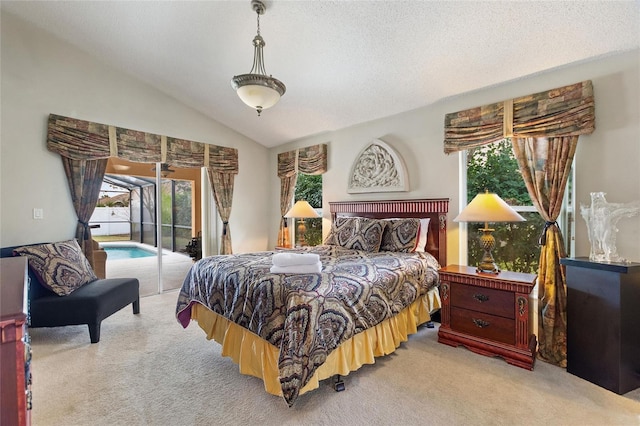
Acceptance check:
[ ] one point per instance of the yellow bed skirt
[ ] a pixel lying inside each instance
(257, 357)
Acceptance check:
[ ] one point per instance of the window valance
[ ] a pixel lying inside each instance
(85, 140)
(311, 160)
(565, 111)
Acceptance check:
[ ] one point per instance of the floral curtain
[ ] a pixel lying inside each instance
(84, 140)
(544, 128)
(567, 110)
(311, 160)
(545, 164)
(222, 184)
(473, 127)
(287, 171)
(222, 168)
(85, 180)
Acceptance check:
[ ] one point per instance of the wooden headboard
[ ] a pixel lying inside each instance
(434, 208)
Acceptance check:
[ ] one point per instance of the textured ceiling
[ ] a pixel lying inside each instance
(343, 62)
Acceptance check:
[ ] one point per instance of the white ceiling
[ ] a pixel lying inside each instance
(343, 62)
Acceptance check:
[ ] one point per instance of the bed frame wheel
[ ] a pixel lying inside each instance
(338, 384)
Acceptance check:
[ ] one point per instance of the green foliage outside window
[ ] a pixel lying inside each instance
(309, 188)
(178, 203)
(176, 200)
(494, 168)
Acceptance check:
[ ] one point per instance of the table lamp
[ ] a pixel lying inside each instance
(488, 208)
(301, 210)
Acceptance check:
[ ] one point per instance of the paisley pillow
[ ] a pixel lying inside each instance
(356, 233)
(400, 235)
(61, 267)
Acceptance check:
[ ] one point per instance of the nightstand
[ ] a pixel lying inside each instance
(488, 313)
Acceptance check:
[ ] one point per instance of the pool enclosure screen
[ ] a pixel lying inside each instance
(126, 210)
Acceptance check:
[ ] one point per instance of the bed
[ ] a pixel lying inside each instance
(294, 330)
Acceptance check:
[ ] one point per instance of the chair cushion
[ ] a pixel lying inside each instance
(89, 304)
(61, 267)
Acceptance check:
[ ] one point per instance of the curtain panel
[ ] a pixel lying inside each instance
(473, 127)
(564, 111)
(311, 160)
(545, 164)
(85, 140)
(78, 139)
(287, 163)
(82, 140)
(287, 190)
(85, 180)
(222, 184)
(139, 147)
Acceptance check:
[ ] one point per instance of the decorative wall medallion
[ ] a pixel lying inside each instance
(378, 168)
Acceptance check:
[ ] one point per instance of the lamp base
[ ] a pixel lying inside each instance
(302, 229)
(487, 264)
(488, 268)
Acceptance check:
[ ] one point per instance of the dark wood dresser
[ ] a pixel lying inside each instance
(15, 351)
(487, 313)
(603, 323)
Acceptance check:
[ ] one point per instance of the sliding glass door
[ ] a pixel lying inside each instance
(158, 219)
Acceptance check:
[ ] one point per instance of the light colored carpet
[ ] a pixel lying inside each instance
(147, 370)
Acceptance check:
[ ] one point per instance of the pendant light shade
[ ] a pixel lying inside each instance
(258, 93)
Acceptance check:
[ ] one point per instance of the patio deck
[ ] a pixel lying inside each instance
(174, 268)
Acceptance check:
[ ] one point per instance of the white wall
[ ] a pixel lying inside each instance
(607, 160)
(42, 75)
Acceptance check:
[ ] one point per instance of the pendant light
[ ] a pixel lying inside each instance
(257, 89)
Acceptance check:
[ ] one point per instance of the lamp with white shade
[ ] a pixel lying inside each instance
(488, 207)
(301, 210)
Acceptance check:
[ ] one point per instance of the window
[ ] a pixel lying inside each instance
(493, 167)
(309, 188)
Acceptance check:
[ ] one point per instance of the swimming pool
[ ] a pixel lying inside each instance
(127, 252)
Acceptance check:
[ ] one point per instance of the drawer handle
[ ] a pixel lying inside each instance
(481, 297)
(480, 323)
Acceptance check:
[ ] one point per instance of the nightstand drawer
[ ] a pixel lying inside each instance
(490, 301)
(483, 325)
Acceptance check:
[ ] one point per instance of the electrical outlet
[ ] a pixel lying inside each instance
(38, 213)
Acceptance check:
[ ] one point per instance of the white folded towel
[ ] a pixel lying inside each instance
(316, 268)
(291, 259)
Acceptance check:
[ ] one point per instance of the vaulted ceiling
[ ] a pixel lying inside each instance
(343, 62)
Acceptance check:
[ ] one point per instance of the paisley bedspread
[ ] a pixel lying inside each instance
(307, 315)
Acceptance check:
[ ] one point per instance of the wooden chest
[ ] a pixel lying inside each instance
(15, 351)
